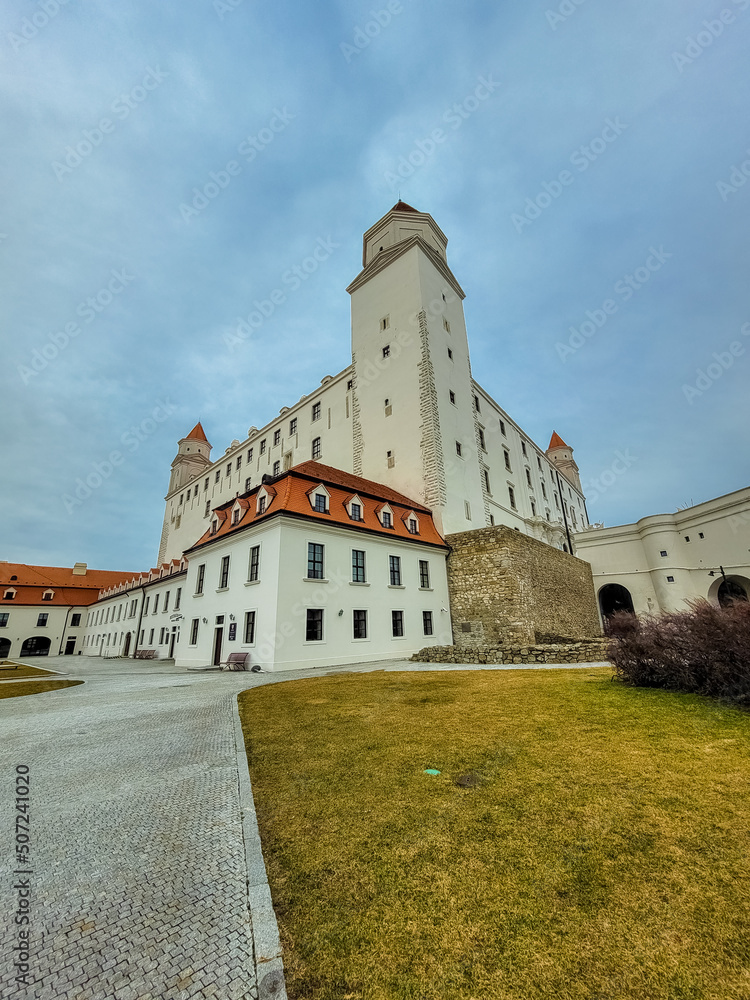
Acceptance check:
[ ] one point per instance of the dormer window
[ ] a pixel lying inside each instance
(386, 517)
(236, 514)
(413, 526)
(262, 504)
(320, 503)
(319, 498)
(48, 595)
(214, 525)
(9, 595)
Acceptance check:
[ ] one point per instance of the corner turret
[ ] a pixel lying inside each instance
(193, 456)
(561, 456)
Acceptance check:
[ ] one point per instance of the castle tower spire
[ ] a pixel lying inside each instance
(193, 456)
(561, 456)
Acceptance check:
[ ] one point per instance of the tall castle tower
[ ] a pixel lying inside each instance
(414, 425)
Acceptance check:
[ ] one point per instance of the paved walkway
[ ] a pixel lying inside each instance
(140, 871)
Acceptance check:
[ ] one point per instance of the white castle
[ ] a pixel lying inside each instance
(407, 413)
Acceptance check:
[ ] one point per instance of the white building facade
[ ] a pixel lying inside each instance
(662, 561)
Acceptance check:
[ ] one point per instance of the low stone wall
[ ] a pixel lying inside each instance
(588, 651)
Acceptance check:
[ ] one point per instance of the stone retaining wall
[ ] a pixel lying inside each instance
(592, 651)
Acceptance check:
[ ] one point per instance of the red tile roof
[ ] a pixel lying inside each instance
(557, 442)
(290, 494)
(197, 433)
(401, 206)
(70, 589)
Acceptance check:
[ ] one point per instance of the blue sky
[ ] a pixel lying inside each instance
(594, 200)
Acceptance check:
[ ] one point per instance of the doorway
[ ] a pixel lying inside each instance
(126, 648)
(37, 645)
(172, 641)
(218, 638)
(70, 646)
(614, 597)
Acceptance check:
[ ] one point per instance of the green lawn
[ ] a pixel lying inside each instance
(602, 855)
(11, 690)
(12, 671)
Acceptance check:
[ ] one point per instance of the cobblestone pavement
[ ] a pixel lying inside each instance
(139, 885)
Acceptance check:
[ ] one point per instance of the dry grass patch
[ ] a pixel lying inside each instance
(11, 690)
(599, 853)
(12, 671)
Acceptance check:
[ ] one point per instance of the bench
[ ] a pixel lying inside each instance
(145, 654)
(235, 661)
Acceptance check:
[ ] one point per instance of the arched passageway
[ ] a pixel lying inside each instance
(614, 597)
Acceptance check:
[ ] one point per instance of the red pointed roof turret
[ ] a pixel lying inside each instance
(401, 206)
(197, 433)
(556, 442)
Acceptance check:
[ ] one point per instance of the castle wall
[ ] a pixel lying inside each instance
(506, 587)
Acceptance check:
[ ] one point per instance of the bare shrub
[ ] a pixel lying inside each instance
(703, 649)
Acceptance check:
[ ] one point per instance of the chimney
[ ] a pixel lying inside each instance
(79, 569)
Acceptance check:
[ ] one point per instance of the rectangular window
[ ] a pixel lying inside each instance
(450, 354)
(249, 627)
(386, 519)
(205, 484)
(360, 625)
(481, 440)
(151, 637)
(458, 448)
(387, 351)
(229, 468)
(544, 491)
(276, 468)
(145, 606)
(254, 570)
(355, 512)
(262, 448)
(394, 566)
(523, 449)
(156, 604)
(249, 454)
(316, 448)
(502, 426)
(427, 622)
(539, 462)
(161, 636)
(166, 602)
(314, 625)
(476, 404)
(512, 497)
(4, 616)
(194, 632)
(293, 425)
(74, 621)
(397, 623)
(42, 620)
(239, 462)
(533, 509)
(452, 396)
(277, 437)
(320, 503)
(358, 566)
(218, 475)
(224, 573)
(506, 453)
(413, 528)
(316, 411)
(528, 477)
(261, 505)
(178, 598)
(487, 480)
(207, 510)
(248, 484)
(314, 561)
(424, 574)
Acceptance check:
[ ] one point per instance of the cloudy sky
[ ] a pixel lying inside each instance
(166, 163)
